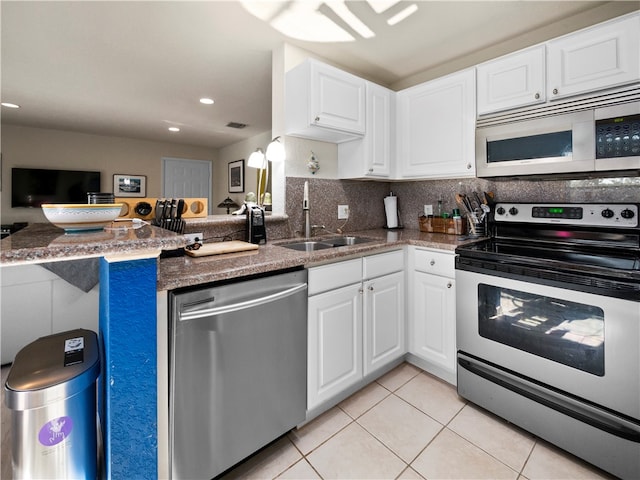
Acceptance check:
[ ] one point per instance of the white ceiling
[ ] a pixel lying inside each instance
(133, 69)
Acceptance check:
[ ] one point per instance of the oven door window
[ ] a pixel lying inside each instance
(565, 332)
(547, 145)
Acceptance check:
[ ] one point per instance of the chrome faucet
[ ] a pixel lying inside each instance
(305, 209)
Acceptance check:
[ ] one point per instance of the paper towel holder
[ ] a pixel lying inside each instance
(400, 225)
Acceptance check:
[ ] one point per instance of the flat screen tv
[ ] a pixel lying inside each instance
(31, 187)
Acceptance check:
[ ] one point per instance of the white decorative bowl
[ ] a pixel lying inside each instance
(81, 217)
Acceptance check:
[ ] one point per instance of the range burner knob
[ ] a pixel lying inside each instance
(607, 213)
(626, 213)
(513, 211)
(500, 211)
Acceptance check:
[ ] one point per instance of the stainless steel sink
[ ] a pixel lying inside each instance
(307, 246)
(347, 240)
(310, 246)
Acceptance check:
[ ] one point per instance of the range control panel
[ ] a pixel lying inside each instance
(617, 215)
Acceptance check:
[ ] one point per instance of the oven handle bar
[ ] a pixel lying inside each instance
(589, 414)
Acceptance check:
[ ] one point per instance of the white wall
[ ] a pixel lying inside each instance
(47, 148)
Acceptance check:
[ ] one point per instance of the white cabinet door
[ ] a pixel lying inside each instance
(324, 103)
(337, 99)
(599, 57)
(72, 308)
(434, 320)
(335, 343)
(371, 156)
(383, 321)
(436, 128)
(26, 308)
(512, 81)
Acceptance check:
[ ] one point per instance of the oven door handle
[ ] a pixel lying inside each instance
(608, 421)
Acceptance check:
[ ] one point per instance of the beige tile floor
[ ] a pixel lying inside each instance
(411, 425)
(407, 425)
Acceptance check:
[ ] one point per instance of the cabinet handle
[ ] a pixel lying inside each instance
(317, 119)
(432, 263)
(449, 285)
(537, 96)
(370, 170)
(555, 91)
(371, 288)
(360, 291)
(468, 166)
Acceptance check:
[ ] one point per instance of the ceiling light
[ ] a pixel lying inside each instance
(300, 20)
(380, 6)
(174, 129)
(341, 9)
(206, 101)
(10, 105)
(410, 10)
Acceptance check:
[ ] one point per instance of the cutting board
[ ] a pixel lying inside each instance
(218, 248)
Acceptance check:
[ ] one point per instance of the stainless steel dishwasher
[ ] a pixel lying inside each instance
(238, 370)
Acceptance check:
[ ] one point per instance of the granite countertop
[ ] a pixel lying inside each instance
(44, 242)
(186, 271)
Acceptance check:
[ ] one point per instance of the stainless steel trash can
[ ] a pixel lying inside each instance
(51, 391)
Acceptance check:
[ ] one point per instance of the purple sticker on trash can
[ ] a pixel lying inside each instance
(55, 431)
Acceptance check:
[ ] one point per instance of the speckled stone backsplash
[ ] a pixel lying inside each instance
(365, 199)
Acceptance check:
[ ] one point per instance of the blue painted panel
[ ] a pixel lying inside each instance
(128, 399)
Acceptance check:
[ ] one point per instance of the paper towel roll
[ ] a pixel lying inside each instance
(391, 209)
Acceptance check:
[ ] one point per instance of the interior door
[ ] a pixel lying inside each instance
(184, 178)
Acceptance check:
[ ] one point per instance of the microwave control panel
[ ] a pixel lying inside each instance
(616, 215)
(618, 137)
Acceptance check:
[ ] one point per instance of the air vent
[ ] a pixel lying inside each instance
(236, 125)
(588, 101)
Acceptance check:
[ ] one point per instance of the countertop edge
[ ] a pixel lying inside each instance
(186, 272)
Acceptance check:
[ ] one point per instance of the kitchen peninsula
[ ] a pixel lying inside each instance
(133, 292)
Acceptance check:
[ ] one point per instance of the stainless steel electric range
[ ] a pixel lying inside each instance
(548, 326)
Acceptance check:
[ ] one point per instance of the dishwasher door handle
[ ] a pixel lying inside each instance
(234, 307)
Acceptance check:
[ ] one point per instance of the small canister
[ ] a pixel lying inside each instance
(458, 226)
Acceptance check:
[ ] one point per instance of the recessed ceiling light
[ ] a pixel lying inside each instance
(10, 105)
(206, 101)
(174, 129)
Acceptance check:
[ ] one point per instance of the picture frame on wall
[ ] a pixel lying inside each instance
(129, 185)
(236, 176)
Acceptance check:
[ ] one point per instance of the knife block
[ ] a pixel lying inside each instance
(193, 207)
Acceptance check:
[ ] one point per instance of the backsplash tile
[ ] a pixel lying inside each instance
(365, 198)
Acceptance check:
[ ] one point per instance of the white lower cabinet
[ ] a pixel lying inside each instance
(432, 318)
(335, 343)
(354, 330)
(36, 303)
(383, 321)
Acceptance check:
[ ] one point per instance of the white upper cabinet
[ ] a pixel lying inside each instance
(370, 157)
(436, 128)
(324, 103)
(512, 81)
(603, 56)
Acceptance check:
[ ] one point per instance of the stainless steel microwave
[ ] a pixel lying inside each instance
(598, 139)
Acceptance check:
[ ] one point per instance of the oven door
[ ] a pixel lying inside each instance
(574, 342)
